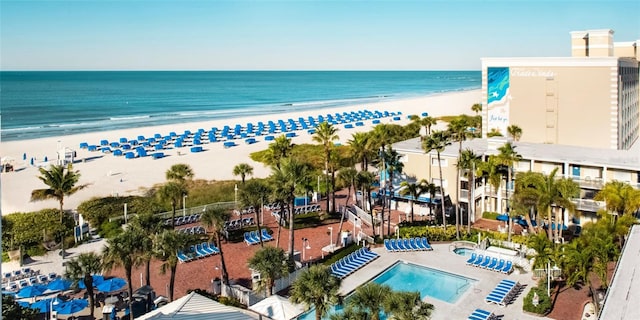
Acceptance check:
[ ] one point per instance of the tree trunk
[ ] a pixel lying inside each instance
(63, 232)
(326, 180)
(549, 230)
(172, 282)
(527, 217)
(471, 200)
(147, 268)
(444, 218)
(88, 281)
(129, 288)
(223, 265)
(333, 190)
(390, 197)
(373, 221)
(291, 231)
(280, 220)
(458, 186)
(411, 202)
(258, 225)
(508, 207)
(173, 215)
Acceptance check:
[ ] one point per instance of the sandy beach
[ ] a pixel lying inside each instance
(110, 175)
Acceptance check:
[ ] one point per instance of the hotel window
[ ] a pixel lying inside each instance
(434, 162)
(437, 182)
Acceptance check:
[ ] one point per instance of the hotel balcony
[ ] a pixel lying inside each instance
(587, 182)
(588, 205)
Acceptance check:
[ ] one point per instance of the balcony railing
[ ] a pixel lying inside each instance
(587, 182)
(588, 205)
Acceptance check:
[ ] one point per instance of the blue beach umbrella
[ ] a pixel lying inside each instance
(45, 305)
(31, 291)
(24, 156)
(58, 285)
(71, 306)
(23, 304)
(32, 161)
(46, 159)
(97, 279)
(111, 285)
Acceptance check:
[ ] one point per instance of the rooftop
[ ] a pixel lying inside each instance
(616, 159)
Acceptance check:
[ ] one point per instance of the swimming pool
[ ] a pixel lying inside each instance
(463, 251)
(431, 283)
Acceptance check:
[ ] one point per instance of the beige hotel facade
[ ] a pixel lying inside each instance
(578, 114)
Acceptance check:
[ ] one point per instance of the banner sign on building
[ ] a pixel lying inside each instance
(498, 99)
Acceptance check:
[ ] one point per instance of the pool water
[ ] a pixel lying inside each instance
(431, 283)
(463, 251)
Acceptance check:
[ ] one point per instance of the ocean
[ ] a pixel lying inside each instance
(39, 104)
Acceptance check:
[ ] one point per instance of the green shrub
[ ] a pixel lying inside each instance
(433, 233)
(31, 229)
(98, 210)
(490, 215)
(544, 302)
(36, 251)
(109, 229)
(341, 254)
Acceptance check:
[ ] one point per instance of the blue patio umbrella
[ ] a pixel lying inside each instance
(32, 161)
(46, 159)
(31, 291)
(71, 306)
(97, 279)
(24, 156)
(45, 305)
(23, 304)
(58, 285)
(111, 285)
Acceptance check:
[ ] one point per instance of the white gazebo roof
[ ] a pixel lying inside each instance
(277, 308)
(197, 307)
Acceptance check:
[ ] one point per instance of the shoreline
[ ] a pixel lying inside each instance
(110, 175)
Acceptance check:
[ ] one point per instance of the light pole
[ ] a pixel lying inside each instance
(235, 189)
(307, 247)
(331, 236)
(184, 205)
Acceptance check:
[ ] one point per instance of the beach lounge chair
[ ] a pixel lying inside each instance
(387, 245)
(394, 245)
(493, 263)
(485, 263)
(499, 266)
(412, 244)
(266, 236)
(425, 243)
(507, 268)
(368, 253)
(213, 248)
(183, 257)
(496, 298)
(478, 260)
(400, 244)
(200, 251)
(248, 239)
(479, 314)
(337, 271)
(472, 259)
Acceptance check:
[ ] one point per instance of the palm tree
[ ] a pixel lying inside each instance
(122, 251)
(279, 149)
(477, 108)
(431, 189)
(393, 164)
(621, 198)
(254, 194)
(426, 122)
(213, 219)
(60, 183)
(242, 170)
(347, 177)
(83, 268)
(172, 192)
(271, 264)
(524, 199)
(179, 172)
(325, 134)
(370, 298)
(291, 175)
(361, 149)
(414, 190)
(438, 141)
(551, 192)
(149, 224)
(543, 248)
(364, 182)
(490, 170)
(316, 287)
(507, 157)
(167, 245)
(458, 129)
(468, 161)
(405, 305)
(515, 132)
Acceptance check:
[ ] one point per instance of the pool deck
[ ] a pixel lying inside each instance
(443, 259)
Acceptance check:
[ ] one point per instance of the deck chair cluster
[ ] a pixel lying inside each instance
(198, 251)
(503, 293)
(407, 244)
(179, 221)
(352, 262)
(253, 237)
(192, 230)
(490, 263)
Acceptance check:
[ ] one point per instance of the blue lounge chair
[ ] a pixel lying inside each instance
(493, 263)
(369, 253)
(205, 247)
(480, 314)
(342, 264)
(340, 273)
(266, 236)
(486, 262)
(478, 260)
(357, 261)
(255, 236)
(183, 257)
(499, 266)
(507, 268)
(407, 245)
(425, 243)
(413, 245)
(211, 248)
(472, 259)
(248, 239)
(360, 255)
(394, 245)
(507, 281)
(200, 251)
(499, 299)
(387, 245)
(400, 244)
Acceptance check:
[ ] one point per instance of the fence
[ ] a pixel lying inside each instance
(287, 281)
(181, 212)
(242, 294)
(361, 214)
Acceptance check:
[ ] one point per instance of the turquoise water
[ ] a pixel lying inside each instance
(431, 283)
(463, 251)
(44, 104)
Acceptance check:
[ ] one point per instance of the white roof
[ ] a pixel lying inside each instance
(624, 292)
(277, 308)
(197, 307)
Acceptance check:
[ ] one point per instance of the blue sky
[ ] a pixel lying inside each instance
(295, 35)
